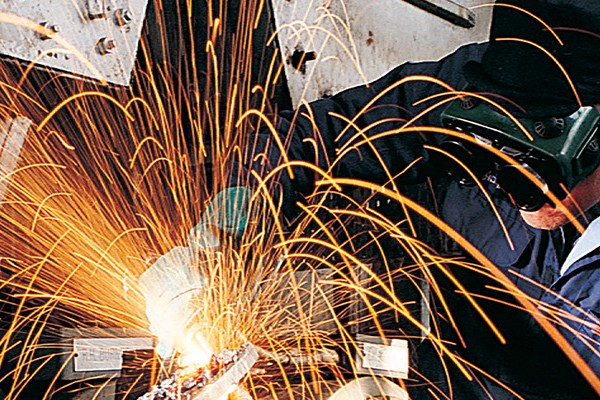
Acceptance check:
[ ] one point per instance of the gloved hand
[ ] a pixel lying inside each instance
(227, 212)
(171, 283)
(169, 286)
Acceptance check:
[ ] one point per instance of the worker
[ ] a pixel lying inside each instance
(543, 253)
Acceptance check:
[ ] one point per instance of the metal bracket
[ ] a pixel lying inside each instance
(95, 39)
(105, 354)
(382, 357)
(96, 353)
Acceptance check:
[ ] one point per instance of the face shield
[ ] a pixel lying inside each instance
(527, 157)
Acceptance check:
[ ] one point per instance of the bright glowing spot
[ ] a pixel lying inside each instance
(231, 390)
(196, 351)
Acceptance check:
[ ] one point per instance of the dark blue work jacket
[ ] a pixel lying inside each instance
(529, 365)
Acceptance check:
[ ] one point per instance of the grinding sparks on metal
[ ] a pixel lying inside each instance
(211, 381)
(111, 176)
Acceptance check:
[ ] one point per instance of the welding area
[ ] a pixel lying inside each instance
(118, 121)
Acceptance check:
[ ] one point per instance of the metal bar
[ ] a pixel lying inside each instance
(229, 379)
(447, 10)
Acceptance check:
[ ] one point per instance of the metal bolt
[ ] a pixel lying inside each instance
(51, 30)
(96, 9)
(123, 16)
(93, 16)
(106, 46)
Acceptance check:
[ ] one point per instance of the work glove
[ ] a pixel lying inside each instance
(227, 212)
(169, 287)
(171, 283)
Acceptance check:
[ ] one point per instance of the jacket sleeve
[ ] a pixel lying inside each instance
(333, 133)
(577, 308)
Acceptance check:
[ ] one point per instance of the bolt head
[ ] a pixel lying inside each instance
(106, 45)
(123, 16)
(51, 30)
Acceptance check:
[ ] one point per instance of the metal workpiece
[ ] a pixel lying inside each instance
(230, 378)
(94, 39)
(213, 381)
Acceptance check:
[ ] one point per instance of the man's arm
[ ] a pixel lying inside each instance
(324, 132)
